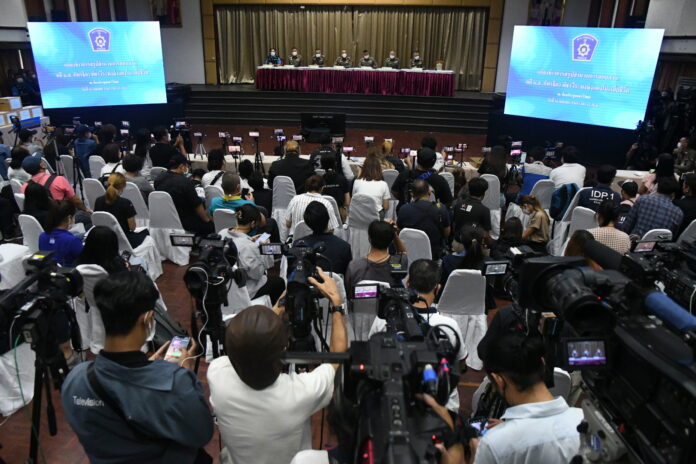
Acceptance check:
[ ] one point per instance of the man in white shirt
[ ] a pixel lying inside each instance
(216, 168)
(264, 415)
(296, 208)
(570, 172)
(424, 278)
(537, 428)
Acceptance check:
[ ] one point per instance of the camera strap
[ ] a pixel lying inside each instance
(217, 177)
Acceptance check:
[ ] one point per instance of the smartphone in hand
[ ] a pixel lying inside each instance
(176, 349)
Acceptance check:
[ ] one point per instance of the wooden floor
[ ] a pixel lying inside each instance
(65, 447)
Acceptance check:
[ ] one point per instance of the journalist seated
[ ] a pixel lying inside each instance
(264, 415)
(125, 407)
(536, 428)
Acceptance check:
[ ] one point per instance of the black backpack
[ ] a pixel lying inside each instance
(47, 184)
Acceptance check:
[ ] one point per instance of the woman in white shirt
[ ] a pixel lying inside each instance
(371, 182)
(112, 155)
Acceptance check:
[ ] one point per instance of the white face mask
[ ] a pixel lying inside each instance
(151, 333)
(526, 211)
(392, 56)
(20, 81)
(678, 144)
(367, 57)
(294, 53)
(318, 55)
(272, 53)
(344, 55)
(416, 57)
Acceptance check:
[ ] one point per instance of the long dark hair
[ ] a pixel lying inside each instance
(101, 248)
(665, 166)
(36, 197)
(58, 213)
(471, 237)
(18, 155)
(512, 230)
(142, 142)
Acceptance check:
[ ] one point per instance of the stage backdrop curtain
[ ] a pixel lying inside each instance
(453, 35)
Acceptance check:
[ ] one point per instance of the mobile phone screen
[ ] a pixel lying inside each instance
(365, 291)
(271, 249)
(176, 348)
(369, 139)
(644, 247)
(198, 134)
(347, 149)
(222, 135)
(253, 134)
(97, 123)
(124, 131)
(125, 123)
(263, 237)
(297, 138)
(480, 426)
(278, 131)
(413, 153)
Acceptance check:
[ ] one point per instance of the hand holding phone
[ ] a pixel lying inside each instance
(262, 238)
(177, 349)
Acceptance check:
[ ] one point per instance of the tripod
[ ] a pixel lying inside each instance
(258, 161)
(200, 149)
(215, 297)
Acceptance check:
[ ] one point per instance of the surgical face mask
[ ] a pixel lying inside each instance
(678, 144)
(272, 53)
(392, 56)
(318, 55)
(187, 173)
(367, 57)
(526, 211)
(344, 55)
(20, 81)
(151, 333)
(416, 57)
(294, 53)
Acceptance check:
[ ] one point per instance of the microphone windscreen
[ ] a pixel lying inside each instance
(603, 255)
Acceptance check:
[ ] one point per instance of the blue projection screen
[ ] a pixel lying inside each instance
(587, 75)
(98, 63)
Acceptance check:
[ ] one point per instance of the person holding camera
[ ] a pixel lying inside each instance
(85, 146)
(536, 428)
(163, 151)
(126, 407)
(263, 414)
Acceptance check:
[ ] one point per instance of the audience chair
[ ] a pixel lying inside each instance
(16, 186)
(417, 244)
(49, 168)
(91, 274)
(96, 163)
(449, 177)
(311, 457)
(283, 192)
(212, 191)
(464, 299)
(688, 235)
(238, 299)
(326, 322)
(31, 229)
(363, 210)
(224, 219)
(147, 250)
(93, 190)
(364, 311)
(340, 232)
(559, 229)
(67, 162)
(164, 221)
(16, 363)
(543, 191)
(492, 201)
(301, 230)
(142, 213)
(582, 219)
(390, 176)
(156, 171)
(12, 256)
(658, 235)
(19, 199)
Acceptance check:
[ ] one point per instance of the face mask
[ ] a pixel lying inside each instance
(187, 173)
(344, 55)
(318, 55)
(272, 53)
(151, 333)
(392, 56)
(527, 212)
(416, 57)
(20, 81)
(367, 57)
(294, 53)
(678, 144)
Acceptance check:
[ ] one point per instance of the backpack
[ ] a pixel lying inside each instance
(560, 200)
(105, 178)
(47, 184)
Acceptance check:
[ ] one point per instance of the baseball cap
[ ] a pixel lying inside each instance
(83, 128)
(26, 133)
(254, 341)
(32, 164)
(426, 157)
(177, 160)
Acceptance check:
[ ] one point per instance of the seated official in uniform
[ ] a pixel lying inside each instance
(126, 407)
(318, 58)
(392, 61)
(295, 58)
(264, 415)
(367, 61)
(273, 58)
(344, 60)
(416, 60)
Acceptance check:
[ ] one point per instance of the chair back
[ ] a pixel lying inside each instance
(417, 244)
(16, 186)
(390, 176)
(31, 229)
(163, 214)
(582, 219)
(363, 210)
(224, 219)
(301, 230)
(93, 190)
(543, 191)
(96, 163)
(568, 215)
(663, 235)
(132, 193)
(91, 274)
(156, 171)
(689, 234)
(49, 168)
(68, 166)
(464, 293)
(492, 197)
(449, 177)
(364, 310)
(283, 192)
(103, 218)
(19, 199)
(334, 206)
(212, 191)
(561, 383)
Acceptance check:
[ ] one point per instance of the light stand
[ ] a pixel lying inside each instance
(258, 162)
(200, 149)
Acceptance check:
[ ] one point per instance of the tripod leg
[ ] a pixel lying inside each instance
(194, 334)
(39, 374)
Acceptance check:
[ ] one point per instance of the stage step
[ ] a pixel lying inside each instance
(246, 106)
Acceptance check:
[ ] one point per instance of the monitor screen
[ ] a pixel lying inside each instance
(98, 63)
(586, 353)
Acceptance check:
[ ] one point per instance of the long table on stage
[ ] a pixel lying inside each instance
(429, 83)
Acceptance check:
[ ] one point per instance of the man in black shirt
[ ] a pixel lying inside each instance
(471, 210)
(324, 150)
(687, 203)
(183, 192)
(162, 151)
(594, 197)
(292, 166)
(422, 214)
(423, 171)
(336, 250)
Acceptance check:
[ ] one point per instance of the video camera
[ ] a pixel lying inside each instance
(633, 344)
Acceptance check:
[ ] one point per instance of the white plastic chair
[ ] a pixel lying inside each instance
(311, 457)
(341, 232)
(212, 191)
(582, 219)
(31, 230)
(363, 210)
(16, 186)
(164, 221)
(156, 171)
(224, 219)
(492, 200)
(417, 244)
(543, 191)
(93, 190)
(390, 176)
(19, 199)
(364, 311)
(91, 274)
(10, 391)
(664, 235)
(96, 163)
(283, 192)
(559, 229)
(449, 177)
(11, 268)
(301, 230)
(147, 250)
(142, 213)
(561, 383)
(68, 172)
(464, 300)
(49, 168)
(689, 234)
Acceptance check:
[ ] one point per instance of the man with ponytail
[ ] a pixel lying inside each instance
(122, 208)
(537, 428)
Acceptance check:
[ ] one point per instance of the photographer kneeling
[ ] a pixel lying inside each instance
(125, 407)
(536, 428)
(264, 415)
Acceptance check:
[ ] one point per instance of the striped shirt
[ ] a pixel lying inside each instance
(298, 204)
(618, 241)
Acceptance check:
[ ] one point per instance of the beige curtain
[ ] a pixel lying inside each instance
(453, 35)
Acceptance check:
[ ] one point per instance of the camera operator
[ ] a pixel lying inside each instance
(536, 428)
(125, 407)
(163, 151)
(264, 415)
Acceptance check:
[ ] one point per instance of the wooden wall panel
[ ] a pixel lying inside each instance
(35, 10)
(83, 10)
(120, 10)
(103, 10)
